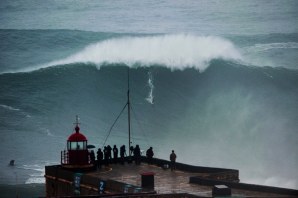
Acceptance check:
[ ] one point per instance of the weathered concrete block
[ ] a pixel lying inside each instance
(221, 190)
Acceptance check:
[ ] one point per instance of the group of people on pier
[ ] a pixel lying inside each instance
(104, 156)
(109, 155)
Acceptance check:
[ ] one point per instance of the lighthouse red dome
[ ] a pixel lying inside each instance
(77, 136)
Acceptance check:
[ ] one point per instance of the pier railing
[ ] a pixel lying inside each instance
(80, 158)
(64, 157)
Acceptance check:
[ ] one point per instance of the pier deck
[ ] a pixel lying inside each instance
(185, 181)
(165, 180)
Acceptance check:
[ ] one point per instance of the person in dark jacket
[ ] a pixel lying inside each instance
(92, 157)
(99, 158)
(106, 156)
(131, 150)
(115, 154)
(137, 155)
(109, 148)
(149, 155)
(173, 160)
(122, 153)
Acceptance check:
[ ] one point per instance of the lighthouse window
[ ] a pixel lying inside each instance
(77, 145)
(73, 145)
(80, 146)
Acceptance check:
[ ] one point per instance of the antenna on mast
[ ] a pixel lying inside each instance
(77, 121)
(77, 128)
(128, 110)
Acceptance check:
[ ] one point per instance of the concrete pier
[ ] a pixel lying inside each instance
(126, 181)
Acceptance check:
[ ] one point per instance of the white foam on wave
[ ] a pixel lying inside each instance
(177, 51)
(150, 97)
(35, 167)
(37, 176)
(271, 46)
(35, 180)
(270, 54)
(13, 109)
(9, 107)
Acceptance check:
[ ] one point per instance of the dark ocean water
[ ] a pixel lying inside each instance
(218, 97)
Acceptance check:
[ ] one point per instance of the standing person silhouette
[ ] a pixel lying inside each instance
(109, 148)
(137, 155)
(173, 160)
(149, 155)
(131, 150)
(92, 159)
(99, 158)
(106, 156)
(115, 154)
(122, 153)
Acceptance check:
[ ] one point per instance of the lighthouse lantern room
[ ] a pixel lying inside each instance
(77, 155)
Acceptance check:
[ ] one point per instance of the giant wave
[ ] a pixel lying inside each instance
(30, 50)
(172, 51)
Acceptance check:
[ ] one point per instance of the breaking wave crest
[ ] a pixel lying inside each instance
(176, 52)
(271, 46)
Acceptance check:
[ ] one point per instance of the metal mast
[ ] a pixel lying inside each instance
(128, 111)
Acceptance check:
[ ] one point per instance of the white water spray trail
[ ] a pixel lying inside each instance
(150, 97)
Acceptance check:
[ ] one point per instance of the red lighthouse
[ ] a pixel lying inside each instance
(77, 155)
